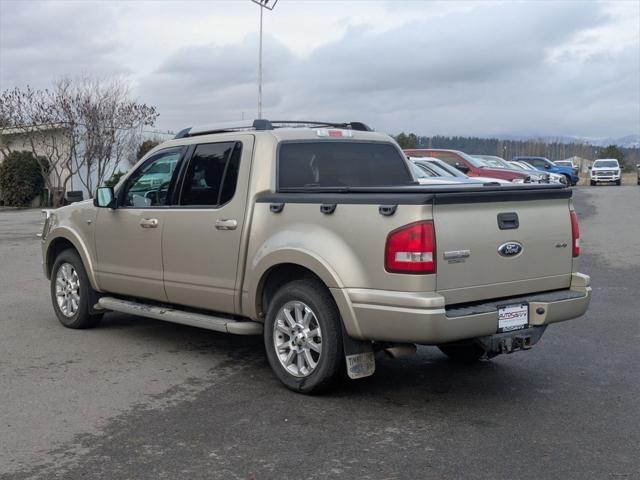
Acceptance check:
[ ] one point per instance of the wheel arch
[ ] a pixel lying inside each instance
(277, 268)
(63, 239)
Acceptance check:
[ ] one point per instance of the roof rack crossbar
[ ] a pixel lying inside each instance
(262, 124)
(347, 125)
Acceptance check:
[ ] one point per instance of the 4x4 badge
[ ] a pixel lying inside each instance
(510, 249)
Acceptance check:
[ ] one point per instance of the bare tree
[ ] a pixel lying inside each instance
(107, 126)
(83, 128)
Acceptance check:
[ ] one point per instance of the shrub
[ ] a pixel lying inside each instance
(145, 147)
(20, 179)
(115, 178)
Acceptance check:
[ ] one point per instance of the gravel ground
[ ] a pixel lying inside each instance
(142, 399)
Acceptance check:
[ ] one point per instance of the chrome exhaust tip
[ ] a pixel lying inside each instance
(400, 350)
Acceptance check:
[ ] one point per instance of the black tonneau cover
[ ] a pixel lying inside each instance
(418, 194)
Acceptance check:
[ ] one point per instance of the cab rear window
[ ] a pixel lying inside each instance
(340, 164)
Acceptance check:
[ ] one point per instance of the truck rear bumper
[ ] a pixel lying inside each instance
(423, 318)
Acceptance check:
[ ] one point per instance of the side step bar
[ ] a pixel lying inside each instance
(210, 322)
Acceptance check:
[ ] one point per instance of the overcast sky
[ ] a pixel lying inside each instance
(456, 68)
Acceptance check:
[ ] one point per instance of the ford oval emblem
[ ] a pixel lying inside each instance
(510, 249)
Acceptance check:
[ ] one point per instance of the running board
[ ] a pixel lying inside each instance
(210, 322)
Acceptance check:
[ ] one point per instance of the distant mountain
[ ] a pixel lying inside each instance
(629, 141)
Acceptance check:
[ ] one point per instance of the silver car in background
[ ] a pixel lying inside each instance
(553, 177)
(441, 168)
(498, 162)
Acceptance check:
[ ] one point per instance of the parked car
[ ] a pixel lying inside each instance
(440, 169)
(497, 162)
(546, 165)
(473, 167)
(426, 176)
(553, 177)
(319, 239)
(570, 164)
(605, 170)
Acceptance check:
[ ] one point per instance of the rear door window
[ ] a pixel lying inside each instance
(212, 175)
(341, 164)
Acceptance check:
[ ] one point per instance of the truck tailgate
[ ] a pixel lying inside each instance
(536, 255)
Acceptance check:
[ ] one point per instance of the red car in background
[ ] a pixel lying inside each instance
(473, 167)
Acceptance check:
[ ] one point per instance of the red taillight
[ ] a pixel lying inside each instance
(411, 249)
(575, 234)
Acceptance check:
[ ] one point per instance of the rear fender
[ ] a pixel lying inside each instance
(312, 262)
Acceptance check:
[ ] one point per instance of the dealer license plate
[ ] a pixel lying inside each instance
(513, 317)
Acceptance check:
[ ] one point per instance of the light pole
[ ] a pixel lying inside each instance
(270, 5)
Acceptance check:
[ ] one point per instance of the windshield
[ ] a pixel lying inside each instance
(420, 172)
(605, 164)
(522, 166)
(492, 161)
(450, 171)
(475, 161)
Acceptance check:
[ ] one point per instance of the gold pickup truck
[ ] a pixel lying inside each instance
(318, 237)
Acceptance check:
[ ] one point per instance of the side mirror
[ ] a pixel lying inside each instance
(105, 198)
(546, 165)
(589, 168)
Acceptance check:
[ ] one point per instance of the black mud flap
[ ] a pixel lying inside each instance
(510, 342)
(359, 356)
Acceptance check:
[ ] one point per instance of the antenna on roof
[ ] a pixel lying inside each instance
(269, 5)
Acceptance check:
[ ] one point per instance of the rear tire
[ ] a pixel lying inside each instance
(303, 337)
(71, 291)
(463, 352)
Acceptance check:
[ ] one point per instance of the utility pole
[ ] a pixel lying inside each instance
(269, 4)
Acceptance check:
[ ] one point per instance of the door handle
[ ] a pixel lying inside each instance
(149, 223)
(226, 224)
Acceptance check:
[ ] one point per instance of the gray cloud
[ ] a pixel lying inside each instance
(486, 71)
(40, 41)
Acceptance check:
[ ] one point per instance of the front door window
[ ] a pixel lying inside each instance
(149, 186)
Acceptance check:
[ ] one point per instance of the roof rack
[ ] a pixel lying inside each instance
(261, 124)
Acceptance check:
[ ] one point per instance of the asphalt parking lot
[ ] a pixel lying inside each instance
(139, 398)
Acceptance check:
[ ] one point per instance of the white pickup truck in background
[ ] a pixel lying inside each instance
(605, 170)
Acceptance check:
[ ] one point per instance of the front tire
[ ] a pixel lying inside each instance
(463, 352)
(618, 182)
(593, 183)
(70, 292)
(303, 337)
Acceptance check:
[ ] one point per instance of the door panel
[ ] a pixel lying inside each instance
(201, 243)
(129, 238)
(129, 254)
